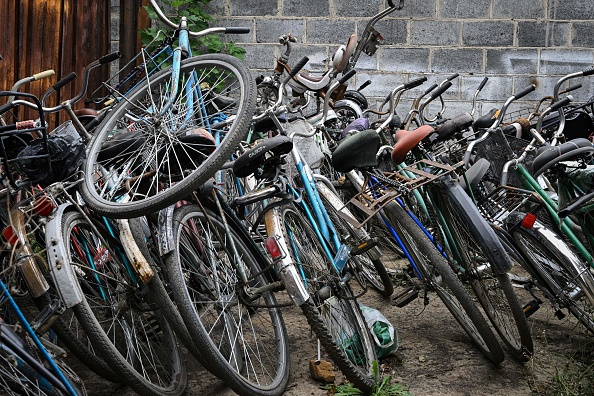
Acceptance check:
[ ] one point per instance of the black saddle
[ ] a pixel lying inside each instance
(267, 151)
(547, 157)
(357, 151)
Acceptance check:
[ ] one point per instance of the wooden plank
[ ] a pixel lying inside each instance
(8, 66)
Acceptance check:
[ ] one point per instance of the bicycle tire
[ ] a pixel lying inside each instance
(72, 335)
(477, 249)
(558, 269)
(437, 272)
(373, 270)
(156, 167)
(226, 323)
(332, 311)
(125, 329)
(160, 287)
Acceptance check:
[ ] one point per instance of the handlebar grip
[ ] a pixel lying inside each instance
(364, 85)
(64, 81)
(237, 30)
(431, 88)
(6, 107)
(109, 57)
(44, 74)
(441, 90)
(347, 76)
(298, 66)
(415, 83)
(572, 88)
(482, 84)
(455, 75)
(525, 92)
(563, 102)
(588, 72)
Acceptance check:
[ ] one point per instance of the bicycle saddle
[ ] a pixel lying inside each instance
(187, 152)
(124, 142)
(485, 121)
(549, 156)
(267, 151)
(407, 140)
(357, 151)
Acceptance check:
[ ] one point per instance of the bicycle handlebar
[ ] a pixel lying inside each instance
(415, 83)
(482, 84)
(400, 4)
(441, 89)
(183, 25)
(563, 102)
(347, 76)
(109, 58)
(64, 81)
(297, 68)
(43, 74)
(237, 30)
(525, 92)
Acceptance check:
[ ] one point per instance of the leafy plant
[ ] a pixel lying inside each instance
(383, 387)
(198, 19)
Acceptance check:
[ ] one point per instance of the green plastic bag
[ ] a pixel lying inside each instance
(382, 331)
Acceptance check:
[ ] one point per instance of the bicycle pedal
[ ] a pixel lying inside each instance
(405, 298)
(364, 247)
(531, 307)
(48, 315)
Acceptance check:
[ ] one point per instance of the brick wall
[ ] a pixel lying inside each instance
(513, 42)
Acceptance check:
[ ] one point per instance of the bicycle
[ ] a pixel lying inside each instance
(31, 363)
(379, 195)
(307, 252)
(171, 133)
(553, 249)
(104, 282)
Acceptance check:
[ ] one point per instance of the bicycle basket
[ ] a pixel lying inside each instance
(309, 147)
(505, 200)
(498, 149)
(66, 152)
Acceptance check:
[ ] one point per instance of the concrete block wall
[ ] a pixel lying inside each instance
(513, 42)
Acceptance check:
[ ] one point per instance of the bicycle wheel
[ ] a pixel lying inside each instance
(373, 269)
(156, 154)
(124, 326)
(241, 335)
(561, 271)
(476, 247)
(331, 311)
(440, 277)
(73, 336)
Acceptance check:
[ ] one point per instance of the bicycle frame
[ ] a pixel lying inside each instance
(566, 225)
(57, 379)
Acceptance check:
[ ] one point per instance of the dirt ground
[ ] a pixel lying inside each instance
(435, 357)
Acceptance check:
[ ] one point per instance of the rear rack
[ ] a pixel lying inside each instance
(380, 189)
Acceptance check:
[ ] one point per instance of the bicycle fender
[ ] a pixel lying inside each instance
(284, 266)
(138, 261)
(165, 231)
(59, 262)
(501, 263)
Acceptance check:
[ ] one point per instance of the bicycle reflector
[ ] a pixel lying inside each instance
(273, 248)
(43, 206)
(529, 220)
(10, 235)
